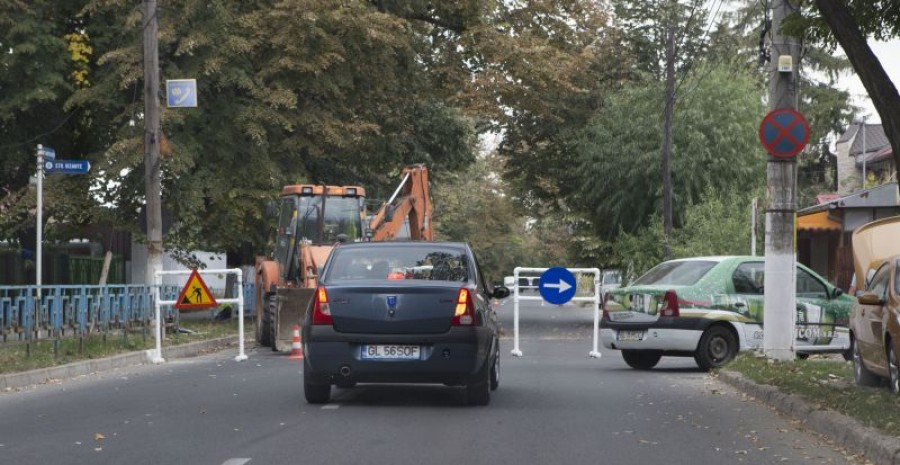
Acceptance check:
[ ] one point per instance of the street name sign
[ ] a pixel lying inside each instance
(67, 166)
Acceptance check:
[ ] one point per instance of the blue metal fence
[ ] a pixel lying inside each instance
(74, 309)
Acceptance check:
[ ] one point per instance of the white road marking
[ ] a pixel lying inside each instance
(235, 461)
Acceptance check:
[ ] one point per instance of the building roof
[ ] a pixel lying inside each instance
(825, 198)
(885, 195)
(875, 140)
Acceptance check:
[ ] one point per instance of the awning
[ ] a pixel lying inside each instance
(817, 222)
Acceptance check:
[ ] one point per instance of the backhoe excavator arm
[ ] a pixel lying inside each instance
(410, 205)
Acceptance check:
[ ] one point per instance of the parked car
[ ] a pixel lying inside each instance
(875, 318)
(609, 280)
(710, 308)
(402, 312)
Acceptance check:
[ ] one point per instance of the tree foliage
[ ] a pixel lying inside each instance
(715, 147)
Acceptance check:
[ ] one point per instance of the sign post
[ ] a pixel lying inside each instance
(784, 133)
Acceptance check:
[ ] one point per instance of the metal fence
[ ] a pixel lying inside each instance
(69, 310)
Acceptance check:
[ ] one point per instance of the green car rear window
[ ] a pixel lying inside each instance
(677, 273)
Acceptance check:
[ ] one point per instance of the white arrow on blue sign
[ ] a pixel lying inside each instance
(67, 166)
(557, 285)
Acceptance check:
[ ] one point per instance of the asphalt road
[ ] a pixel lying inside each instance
(554, 405)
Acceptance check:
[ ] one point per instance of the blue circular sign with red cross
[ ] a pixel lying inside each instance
(784, 132)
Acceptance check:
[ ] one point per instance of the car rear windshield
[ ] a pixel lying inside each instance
(677, 273)
(426, 262)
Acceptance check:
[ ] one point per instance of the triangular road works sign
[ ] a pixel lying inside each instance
(195, 294)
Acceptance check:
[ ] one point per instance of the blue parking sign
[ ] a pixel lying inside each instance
(181, 93)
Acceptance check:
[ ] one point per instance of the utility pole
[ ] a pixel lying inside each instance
(152, 190)
(781, 206)
(667, 140)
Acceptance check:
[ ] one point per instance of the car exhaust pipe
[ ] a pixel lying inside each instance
(345, 371)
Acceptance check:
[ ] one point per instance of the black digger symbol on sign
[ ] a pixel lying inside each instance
(198, 296)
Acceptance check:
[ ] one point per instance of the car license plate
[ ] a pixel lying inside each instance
(631, 335)
(390, 352)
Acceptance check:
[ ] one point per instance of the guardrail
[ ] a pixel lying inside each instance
(62, 310)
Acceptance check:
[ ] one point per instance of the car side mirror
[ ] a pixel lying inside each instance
(500, 292)
(870, 298)
(837, 293)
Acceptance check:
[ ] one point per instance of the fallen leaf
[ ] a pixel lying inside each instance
(99, 437)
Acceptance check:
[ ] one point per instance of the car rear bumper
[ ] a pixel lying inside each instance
(456, 357)
(675, 340)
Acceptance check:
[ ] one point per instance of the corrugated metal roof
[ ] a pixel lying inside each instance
(875, 140)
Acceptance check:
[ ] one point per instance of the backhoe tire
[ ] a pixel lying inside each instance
(264, 331)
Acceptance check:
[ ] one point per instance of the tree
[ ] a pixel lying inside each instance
(716, 147)
(850, 23)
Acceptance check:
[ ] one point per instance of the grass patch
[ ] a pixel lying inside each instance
(826, 383)
(18, 356)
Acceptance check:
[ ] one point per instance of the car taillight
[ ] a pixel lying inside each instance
(321, 308)
(669, 304)
(465, 309)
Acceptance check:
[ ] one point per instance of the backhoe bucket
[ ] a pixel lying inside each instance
(289, 311)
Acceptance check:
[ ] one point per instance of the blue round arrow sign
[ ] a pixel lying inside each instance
(557, 285)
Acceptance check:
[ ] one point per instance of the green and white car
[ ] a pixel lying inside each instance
(710, 308)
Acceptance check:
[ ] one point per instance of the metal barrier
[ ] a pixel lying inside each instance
(77, 309)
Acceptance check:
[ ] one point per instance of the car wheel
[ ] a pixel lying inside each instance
(641, 359)
(480, 392)
(495, 373)
(316, 393)
(863, 376)
(718, 346)
(894, 368)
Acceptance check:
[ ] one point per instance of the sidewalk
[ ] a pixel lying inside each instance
(12, 381)
(845, 431)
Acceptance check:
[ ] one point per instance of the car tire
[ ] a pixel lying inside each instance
(893, 368)
(863, 376)
(718, 346)
(495, 373)
(641, 359)
(479, 393)
(316, 393)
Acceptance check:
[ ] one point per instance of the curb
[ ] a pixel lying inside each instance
(845, 431)
(13, 381)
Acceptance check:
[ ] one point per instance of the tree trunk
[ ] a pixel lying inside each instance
(867, 66)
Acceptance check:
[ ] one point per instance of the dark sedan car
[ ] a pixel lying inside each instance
(402, 312)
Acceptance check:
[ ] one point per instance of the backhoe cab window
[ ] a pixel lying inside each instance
(342, 216)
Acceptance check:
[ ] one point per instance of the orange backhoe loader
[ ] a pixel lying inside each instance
(312, 219)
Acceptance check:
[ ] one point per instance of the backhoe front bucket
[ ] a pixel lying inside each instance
(290, 309)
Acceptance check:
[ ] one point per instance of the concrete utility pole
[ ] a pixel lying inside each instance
(151, 142)
(667, 141)
(781, 207)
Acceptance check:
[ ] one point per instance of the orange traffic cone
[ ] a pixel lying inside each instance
(296, 348)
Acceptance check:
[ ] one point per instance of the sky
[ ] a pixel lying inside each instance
(889, 54)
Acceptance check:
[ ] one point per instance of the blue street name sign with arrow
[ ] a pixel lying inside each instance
(557, 285)
(67, 166)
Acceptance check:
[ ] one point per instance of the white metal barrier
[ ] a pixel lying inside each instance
(156, 354)
(595, 299)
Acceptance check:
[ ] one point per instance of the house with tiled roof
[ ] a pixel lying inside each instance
(863, 151)
(824, 230)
